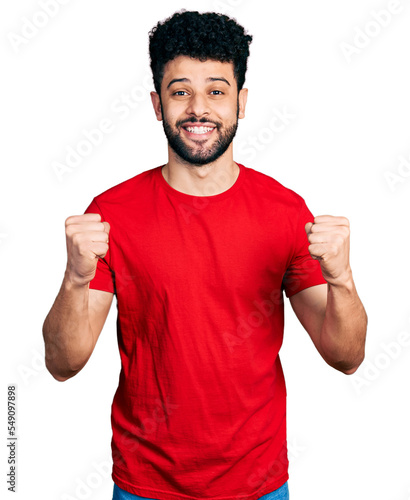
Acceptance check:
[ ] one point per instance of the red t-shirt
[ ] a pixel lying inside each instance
(200, 409)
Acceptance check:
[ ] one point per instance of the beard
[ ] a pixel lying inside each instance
(201, 154)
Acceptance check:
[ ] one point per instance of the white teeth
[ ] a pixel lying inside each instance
(199, 130)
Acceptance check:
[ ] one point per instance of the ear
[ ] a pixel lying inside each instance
(157, 105)
(243, 97)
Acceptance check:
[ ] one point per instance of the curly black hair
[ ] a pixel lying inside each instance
(202, 36)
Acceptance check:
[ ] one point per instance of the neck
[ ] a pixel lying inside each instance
(201, 180)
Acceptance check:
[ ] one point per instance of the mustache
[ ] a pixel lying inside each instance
(179, 123)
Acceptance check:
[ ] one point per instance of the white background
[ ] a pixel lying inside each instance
(349, 436)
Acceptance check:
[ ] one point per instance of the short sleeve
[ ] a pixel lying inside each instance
(103, 279)
(303, 271)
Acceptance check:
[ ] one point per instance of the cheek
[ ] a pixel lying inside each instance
(174, 114)
(227, 111)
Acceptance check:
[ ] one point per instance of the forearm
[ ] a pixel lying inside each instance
(344, 327)
(66, 330)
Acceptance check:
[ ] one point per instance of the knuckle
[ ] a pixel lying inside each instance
(76, 238)
(339, 240)
(82, 249)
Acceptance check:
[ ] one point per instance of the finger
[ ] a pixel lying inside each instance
(331, 233)
(90, 236)
(316, 251)
(86, 226)
(338, 221)
(324, 226)
(86, 217)
(320, 237)
(308, 227)
(100, 250)
(107, 227)
(99, 236)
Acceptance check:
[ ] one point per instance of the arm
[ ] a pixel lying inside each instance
(72, 327)
(333, 314)
(336, 321)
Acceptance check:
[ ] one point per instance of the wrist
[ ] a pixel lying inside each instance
(344, 281)
(72, 281)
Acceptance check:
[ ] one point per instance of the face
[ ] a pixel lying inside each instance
(199, 107)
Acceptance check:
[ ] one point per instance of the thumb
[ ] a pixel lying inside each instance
(107, 227)
(308, 225)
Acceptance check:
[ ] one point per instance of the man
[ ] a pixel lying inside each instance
(198, 253)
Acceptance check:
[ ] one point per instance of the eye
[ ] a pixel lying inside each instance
(179, 92)
(219, 92)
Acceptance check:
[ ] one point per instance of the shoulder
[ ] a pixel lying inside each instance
(128, 191)
(267, 188)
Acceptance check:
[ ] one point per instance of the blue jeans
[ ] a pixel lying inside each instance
(281, 493)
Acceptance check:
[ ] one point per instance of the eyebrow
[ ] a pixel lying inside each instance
(210, 79)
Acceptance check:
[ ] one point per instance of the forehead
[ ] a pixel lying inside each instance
(196, 70)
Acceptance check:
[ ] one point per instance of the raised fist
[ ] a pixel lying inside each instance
(87, 240)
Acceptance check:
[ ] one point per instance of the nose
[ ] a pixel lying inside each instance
(198, 105)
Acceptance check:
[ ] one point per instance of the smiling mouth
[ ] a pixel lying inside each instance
(199, 130)
(202, 131)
